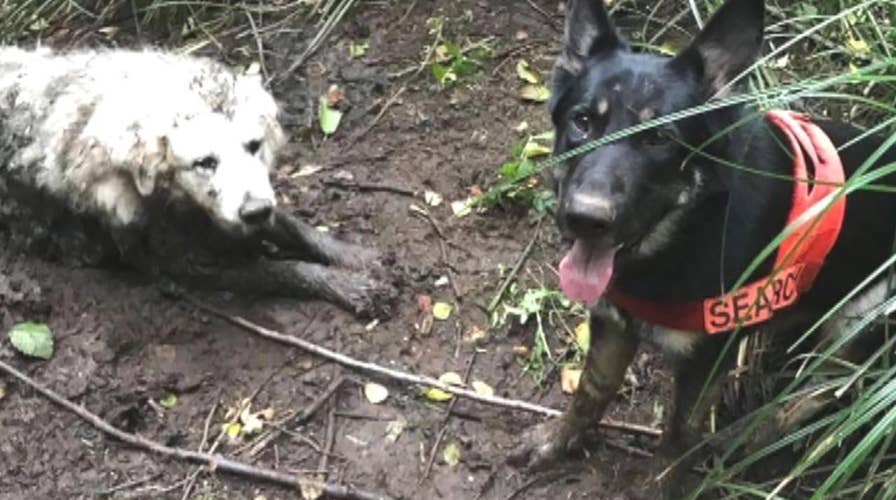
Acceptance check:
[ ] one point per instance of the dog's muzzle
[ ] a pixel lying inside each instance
(256, 211)
(588, 216)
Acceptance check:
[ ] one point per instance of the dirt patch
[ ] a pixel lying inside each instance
(121, 346)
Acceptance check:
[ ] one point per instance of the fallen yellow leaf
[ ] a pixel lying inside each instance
(583, 335)
(452, 378)
(482, 388)
(451, 454)
(436, 394)
(525, 72)
(536, 93)
(441, 311)
(569, 379)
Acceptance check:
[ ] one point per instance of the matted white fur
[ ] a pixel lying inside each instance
(103, 130)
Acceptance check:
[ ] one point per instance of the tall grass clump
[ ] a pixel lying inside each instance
(183, 24)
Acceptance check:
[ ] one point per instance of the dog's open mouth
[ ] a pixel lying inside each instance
(586, 271)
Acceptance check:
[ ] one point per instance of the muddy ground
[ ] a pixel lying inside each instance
(121, 346)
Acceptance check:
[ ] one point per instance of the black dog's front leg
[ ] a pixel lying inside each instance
(697, 389)
(612, 348)
(291, 233)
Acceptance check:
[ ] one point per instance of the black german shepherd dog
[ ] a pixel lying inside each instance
(656, 224)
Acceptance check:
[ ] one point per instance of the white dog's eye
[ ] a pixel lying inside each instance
(209, 163)
(253, 146)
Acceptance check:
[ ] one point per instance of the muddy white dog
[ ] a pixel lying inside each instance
(142, 143)
(104, 130)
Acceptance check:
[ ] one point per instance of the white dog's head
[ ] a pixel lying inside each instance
(206, 159)
(186, 128)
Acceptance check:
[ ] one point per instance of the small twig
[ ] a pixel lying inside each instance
(207, 426)
(259, 45)
(362, 416)
(516, 268)
(444, 425)
(213, 462)
(329, 441)
(548, 17)
(191, 481)
(379, 116)
(508, 54)
(300, 418)
(402, 376)
(315, 405)
(631, 450)
(442, 248)
(394, 97)
(406, 14)
(127, 485)
(546, 478)
(367, 186)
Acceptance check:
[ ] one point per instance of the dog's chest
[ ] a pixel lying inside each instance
(670, 341)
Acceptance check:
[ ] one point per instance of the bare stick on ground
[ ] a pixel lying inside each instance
(516, 268)
(422, 212)
(368, 186)
(303, 416)
(444, 429)
(405, 376)
(213, 462)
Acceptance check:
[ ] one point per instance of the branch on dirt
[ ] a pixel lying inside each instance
(516, 268)
(444, 429)
(367, 186)
(407, 377)
(302, 417)
(422, 212)
(214, 462)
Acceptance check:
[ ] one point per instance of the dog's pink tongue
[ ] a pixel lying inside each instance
(585, 273)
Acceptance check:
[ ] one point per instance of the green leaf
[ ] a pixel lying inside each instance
(443, 74)
(32, 339)
(509, 170)
(328, 117)
(168, 401)
(806, 9)
(464, 67)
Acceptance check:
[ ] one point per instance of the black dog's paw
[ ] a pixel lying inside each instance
(546, 444)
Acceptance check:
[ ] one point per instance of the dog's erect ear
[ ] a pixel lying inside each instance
(153, 164)
(727, 45)
(588, 31)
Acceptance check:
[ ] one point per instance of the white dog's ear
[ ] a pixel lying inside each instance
(154, 163)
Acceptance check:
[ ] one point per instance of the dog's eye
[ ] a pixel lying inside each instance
(209, 163)
(580, 125)
(253, 146)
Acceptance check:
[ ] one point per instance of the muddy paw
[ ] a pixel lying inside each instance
(545, 444)
(369, 298)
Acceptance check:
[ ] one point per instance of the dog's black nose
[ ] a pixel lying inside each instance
(587, 215)
(256, 211)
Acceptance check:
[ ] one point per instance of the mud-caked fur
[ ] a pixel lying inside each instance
(103, 130)
(161, 162)
(686, 226)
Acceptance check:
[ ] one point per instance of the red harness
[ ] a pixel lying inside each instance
(800, 255)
